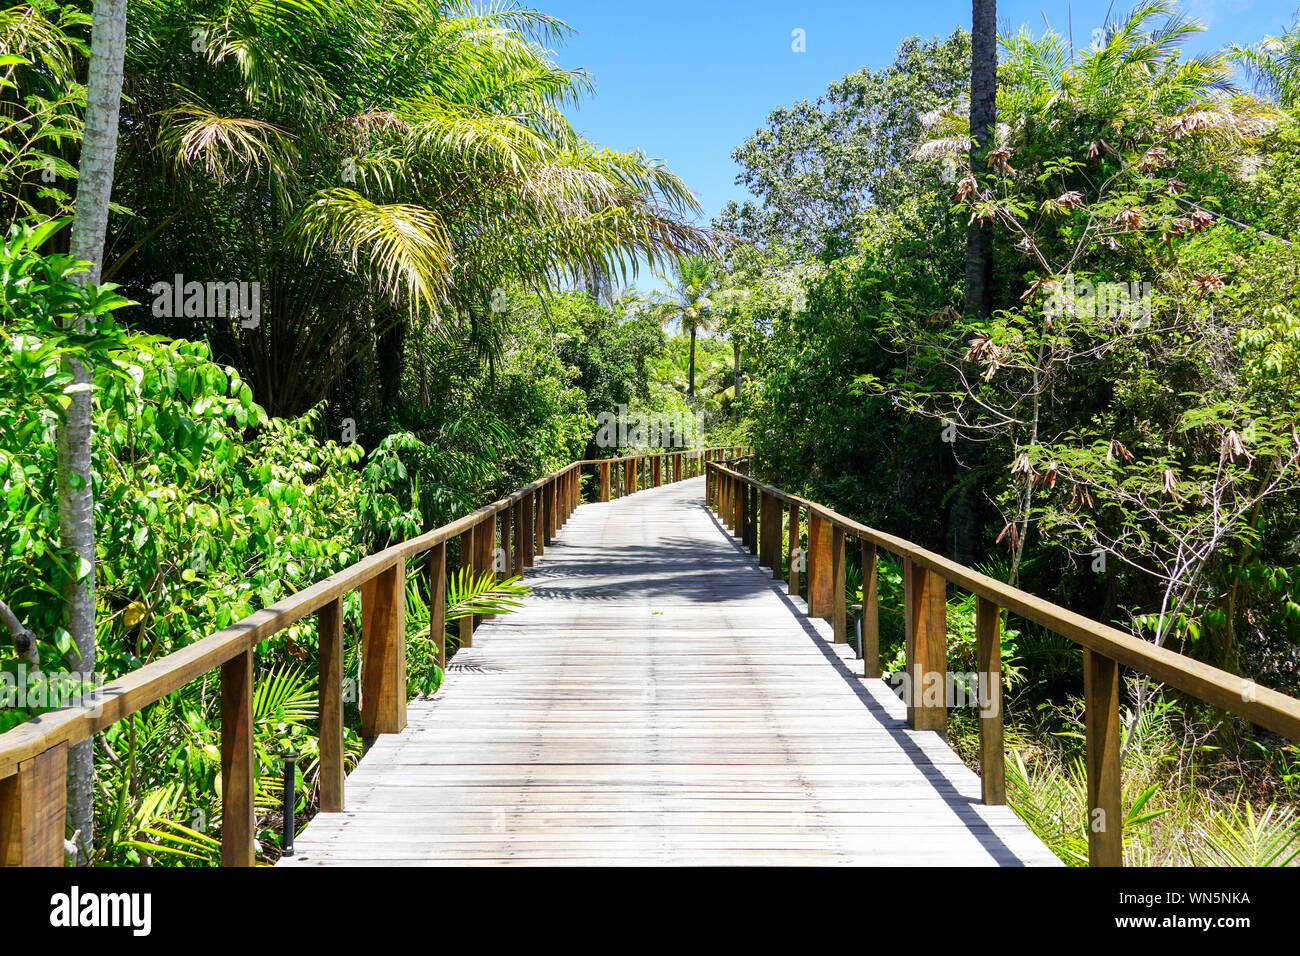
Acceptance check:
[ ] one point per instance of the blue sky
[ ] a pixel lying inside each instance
(687, 82)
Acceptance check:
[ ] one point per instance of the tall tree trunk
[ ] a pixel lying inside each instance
(76, 493)
(964, 518)
(690, 386)
(390, 362)
(983, 115)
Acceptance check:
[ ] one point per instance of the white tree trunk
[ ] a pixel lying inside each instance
(76, 496)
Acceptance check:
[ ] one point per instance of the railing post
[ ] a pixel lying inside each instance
(485, 556)
(237, 768)
(1101, 725)
(870, 613)
(33, 810)
(742, 510)
(528, 526)
(329, 694)
(988, 641)
(539, 521)
(552, 525)
(738, 506)
(769, 533)
(517, 522)
(548, 514)
(796, 552)
(820, 568)
(839, 622)
(438, 601)
(507, 541)
(604, 481)
(927, 650)
(751, 513)
(776, 518)
(746, 513)
(383, 652)
(468, 557)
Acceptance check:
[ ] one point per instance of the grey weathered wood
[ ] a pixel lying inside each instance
(661, 700)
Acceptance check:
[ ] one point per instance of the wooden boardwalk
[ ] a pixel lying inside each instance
(660, 700)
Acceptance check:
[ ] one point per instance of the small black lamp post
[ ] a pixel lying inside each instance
(290, 759)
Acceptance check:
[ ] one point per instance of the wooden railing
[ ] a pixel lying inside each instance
(33, 756)
(758, 514)
(622, 476)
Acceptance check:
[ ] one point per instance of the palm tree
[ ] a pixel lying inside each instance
(1274, 66)
(76, 497)
(687, 302)
(735, 321)
(1128, 86)
(979, 248)
(42, 52)
(630, 301)
(367, 191)
(983, 115)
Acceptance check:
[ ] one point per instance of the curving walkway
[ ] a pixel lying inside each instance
(660, 700)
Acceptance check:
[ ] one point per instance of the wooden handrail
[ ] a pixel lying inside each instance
(33, 754)
(738, 499)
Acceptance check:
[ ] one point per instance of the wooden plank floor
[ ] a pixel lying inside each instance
(660, 700)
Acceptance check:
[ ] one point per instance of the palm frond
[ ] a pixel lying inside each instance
(225, 147)
(468, 593)
(403, 248)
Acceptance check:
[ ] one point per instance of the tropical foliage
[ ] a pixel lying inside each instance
(1124, 417)
(362, 275)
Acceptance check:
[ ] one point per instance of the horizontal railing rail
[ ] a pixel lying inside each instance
(621, 476)
(508, 533)
(760, 514)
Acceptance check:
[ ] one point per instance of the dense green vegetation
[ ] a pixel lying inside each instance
(362, 277)
(1123, 419)
(419, 219)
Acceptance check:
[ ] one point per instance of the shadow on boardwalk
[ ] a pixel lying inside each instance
(661, 700)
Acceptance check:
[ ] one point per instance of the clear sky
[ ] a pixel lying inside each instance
(689, 80)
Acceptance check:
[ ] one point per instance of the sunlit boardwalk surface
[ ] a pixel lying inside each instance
(660, 700)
